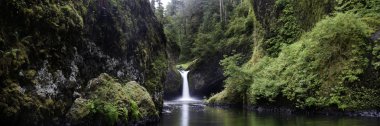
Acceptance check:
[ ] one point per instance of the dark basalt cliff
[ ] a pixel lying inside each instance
(206, 77)
(49, 50)
(172, 85)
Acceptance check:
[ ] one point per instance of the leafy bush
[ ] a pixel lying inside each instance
(330, 57)
(236, 84)
(327, 67)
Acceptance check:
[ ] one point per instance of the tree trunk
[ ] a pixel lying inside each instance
(221, 10)
(225, 13)
(152, 4)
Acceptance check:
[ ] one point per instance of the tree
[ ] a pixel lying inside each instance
(153, 4)
(160, 11)
(197, 21)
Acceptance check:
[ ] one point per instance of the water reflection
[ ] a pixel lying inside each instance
(197, 114)
(185, 115)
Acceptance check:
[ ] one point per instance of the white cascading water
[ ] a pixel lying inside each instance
(185, 87)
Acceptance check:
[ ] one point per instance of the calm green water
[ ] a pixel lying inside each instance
(197, 114)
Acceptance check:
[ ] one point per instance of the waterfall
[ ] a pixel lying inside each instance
(185, 87)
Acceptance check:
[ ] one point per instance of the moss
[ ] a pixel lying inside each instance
(284, 21)
(297, 79)
(30, 74)
(310, 12)
(322, 54)
(135, 111)
(65, 13)
(13, 99)
(14, 58)
(110, 112)
(62, 34)
(376, 53)
(80, 109)
(17, 102)
(108, 100)
(187, 65)
(286, 30)
(107, 96)
(141, 98)
(155, 78)
(222, 98)
(328, 67)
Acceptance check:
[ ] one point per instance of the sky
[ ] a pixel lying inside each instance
(165, 2)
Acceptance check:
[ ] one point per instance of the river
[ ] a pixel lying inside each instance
(187, 111)
(177, 113)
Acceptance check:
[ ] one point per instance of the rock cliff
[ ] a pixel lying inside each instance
(49, 51)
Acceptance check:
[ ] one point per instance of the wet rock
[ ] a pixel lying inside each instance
(49, 50)
(172, 85)
(206, 77)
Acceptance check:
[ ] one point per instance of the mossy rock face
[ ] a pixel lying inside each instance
(335, 65)
(49, 50)
(283, 21)
(206, 77)
(108, 102)
(224, 98)
(309, 55)
(173, 84)
(142, 99)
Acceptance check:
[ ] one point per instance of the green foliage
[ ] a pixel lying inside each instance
(155, 76)
(135, 110)
(239, 33)
(309, 12)
(187, 65)
(224, 98)
(216, 38)
(110, 102)
(327, 67)
(237, 80)
(14, 58)
(376, 53)
(332, 55)
(237, 83)
(197, 28)
(183, 19)
(62, 32)
(356, 6)
(206, 43)
(67, 14)
(106, 99)
(286, 31)
(106, 110)
(367, 9)
(141, 103)
(284, 21)
(265, 84)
